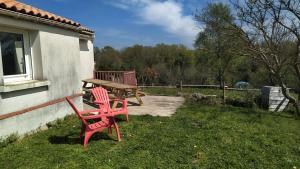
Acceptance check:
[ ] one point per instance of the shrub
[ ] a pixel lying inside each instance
(9, 140)
(250, 99)
(205, 99)
(239, 102)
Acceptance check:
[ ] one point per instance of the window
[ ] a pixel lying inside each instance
(83, 44)
(15, 55)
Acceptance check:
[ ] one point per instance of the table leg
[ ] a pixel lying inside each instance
(138, 97)
(84, 84)
(115, 104)
(120, 95)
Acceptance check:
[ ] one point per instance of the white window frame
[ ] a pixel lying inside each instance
(28, 59)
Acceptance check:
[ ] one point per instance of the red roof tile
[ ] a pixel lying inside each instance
(86, 29)
(16, 6)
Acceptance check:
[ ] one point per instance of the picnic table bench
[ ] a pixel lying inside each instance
(120, 91)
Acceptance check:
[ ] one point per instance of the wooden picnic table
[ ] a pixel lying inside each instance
(118, 89)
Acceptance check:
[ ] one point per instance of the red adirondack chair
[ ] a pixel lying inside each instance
(102, 99)
(103, 121)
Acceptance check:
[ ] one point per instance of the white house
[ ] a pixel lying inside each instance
(43, 58)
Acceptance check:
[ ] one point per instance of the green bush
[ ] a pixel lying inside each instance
(239, 103)
(9, 140)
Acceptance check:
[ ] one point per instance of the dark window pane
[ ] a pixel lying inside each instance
(12, 51)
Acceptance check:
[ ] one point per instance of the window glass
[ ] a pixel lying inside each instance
(12, 53)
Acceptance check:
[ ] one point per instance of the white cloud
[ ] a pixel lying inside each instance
(168, 15)
(119, 5)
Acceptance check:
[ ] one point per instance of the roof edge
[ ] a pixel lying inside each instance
(30, 10)
(36, 19)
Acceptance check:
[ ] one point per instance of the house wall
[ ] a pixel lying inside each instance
(86, 58)
(56, 58)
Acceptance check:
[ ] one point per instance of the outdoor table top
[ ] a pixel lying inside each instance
(109, 84)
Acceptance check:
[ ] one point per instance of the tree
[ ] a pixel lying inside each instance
(107, 58)
(183, 59)
(217, 39)
(269, 27)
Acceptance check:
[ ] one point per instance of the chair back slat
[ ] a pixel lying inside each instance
(75, 109)
(101, 94)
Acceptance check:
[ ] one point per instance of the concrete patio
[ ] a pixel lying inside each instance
(153, 105)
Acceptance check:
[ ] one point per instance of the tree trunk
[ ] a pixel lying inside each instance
(180, 85)
(296, 62)
(292, 100)
(224, 96)
(220, 78)
(287, 95)
(143, 81)
(271, 79)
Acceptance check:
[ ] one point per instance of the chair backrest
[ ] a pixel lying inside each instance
(101, 94)
(75, 109)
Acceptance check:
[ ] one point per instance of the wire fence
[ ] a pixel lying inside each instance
(202, 86)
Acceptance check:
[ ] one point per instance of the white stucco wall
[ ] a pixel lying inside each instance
(86, 59)
(57, 58)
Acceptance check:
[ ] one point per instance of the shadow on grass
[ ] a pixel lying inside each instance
(72, 139)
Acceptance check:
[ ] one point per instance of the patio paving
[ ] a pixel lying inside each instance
(153, 105)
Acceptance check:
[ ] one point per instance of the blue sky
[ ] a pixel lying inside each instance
(123, 23)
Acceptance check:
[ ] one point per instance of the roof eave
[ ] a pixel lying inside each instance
(43, 21)
(87, 36)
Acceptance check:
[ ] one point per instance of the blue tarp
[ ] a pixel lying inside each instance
(242, 85)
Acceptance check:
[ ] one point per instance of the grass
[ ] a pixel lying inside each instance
(207, 91)
(239, 98)
(197, 136)
(233, 94)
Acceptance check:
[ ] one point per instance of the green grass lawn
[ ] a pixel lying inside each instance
(208, 91)
(233, 94)
(197, 136)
